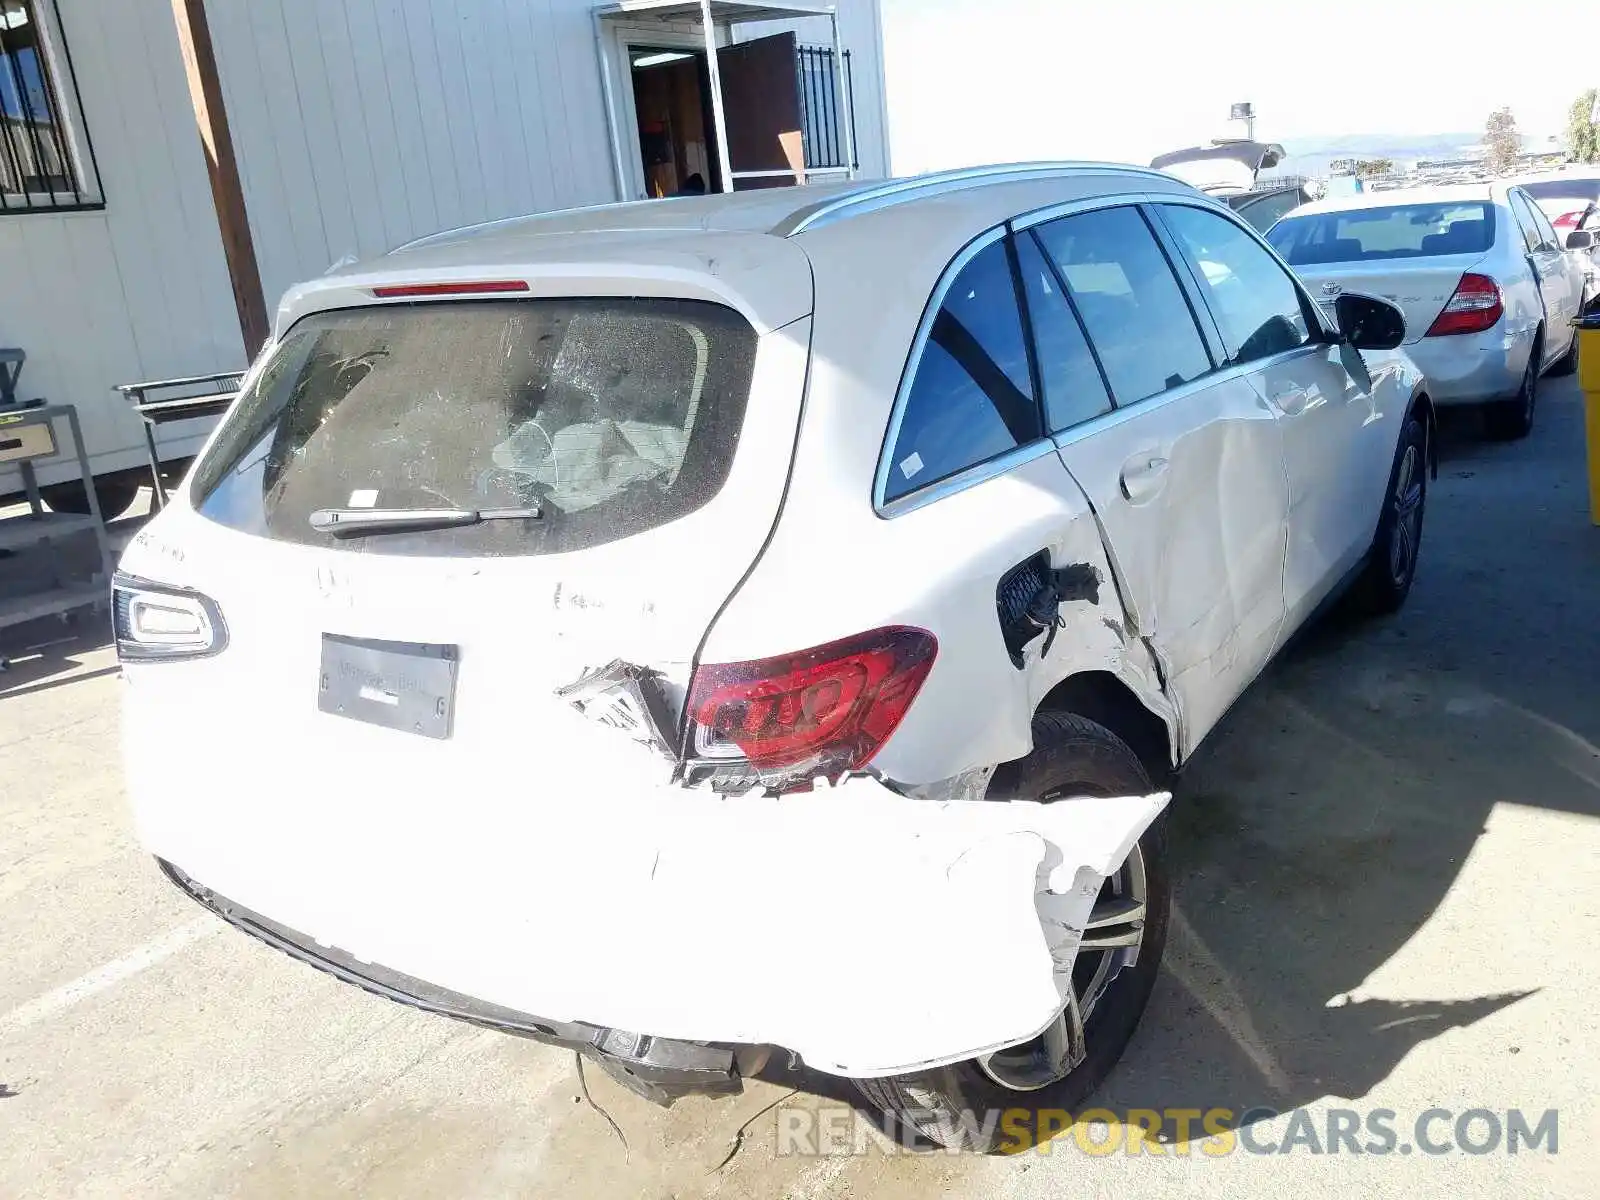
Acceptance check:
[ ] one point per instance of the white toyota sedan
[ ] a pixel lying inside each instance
(674, 631)
(1488, 287)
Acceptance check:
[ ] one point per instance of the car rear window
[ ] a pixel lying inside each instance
(1372, 234)
(612, 416)
(1585, 191)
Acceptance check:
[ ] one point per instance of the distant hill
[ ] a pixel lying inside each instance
(1311, 156)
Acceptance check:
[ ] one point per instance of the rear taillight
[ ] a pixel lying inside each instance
(1570, 220)
(155, 623)
(1475, 306)
(820, 712)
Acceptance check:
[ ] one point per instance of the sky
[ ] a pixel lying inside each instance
(974, 81)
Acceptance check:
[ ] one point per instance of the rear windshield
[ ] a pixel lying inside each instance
(612, 416)
(1373, 234)
(1585, 191)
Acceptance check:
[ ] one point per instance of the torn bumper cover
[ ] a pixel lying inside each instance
(869, 932)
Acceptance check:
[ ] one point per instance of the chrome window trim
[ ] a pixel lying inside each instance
(880, 481)
(977, 473)
(1077, 433)
(1070, 208)
(901, 191)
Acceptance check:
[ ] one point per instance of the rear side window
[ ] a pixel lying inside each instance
(971, 398)
(1129, 299)
(612, 416)
(1074, 392)
(1256, 303)
(1373, 234)
(1522, 210)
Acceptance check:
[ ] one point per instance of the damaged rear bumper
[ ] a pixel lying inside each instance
(869, 932)
(657, 1068)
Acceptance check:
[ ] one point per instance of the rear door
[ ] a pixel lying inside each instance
(761, 100)
(1557, 279)
(1336, 443)
(1186, 473)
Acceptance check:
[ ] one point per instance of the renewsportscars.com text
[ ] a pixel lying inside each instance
(1191, 1132)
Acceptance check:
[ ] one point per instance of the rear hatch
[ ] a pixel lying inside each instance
(1412, 255)
(396, 692)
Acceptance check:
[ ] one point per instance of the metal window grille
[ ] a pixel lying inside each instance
(38, 172)
(823, 112)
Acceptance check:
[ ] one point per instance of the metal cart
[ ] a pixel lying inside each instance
(28, 432)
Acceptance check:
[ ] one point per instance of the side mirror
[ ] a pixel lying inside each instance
(1580, 239)
(1368, 323)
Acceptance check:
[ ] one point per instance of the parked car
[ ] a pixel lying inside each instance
(1571, 199)
(679, 630)
(1488, 289)
(1263, 208)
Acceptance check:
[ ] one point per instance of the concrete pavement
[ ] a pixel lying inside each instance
(1386, 898)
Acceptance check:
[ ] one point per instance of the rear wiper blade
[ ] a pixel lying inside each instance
(358, 522)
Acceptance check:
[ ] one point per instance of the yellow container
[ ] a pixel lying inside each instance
(1589, 381)
(1589, 356)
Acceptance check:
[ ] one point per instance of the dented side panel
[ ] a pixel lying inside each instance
(938, 568)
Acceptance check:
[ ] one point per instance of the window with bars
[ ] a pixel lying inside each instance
(40, 170)
(823, 111)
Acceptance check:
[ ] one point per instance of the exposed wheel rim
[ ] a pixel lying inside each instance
(1111, 944)
(1406, 533)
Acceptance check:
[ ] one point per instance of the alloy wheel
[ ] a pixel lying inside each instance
(1111, 942)
(1407, 531)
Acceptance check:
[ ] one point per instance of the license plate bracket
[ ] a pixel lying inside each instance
(408, 686)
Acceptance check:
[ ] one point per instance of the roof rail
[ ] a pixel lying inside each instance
(873, 197)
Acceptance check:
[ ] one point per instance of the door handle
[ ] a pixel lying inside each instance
(1293, 402)
(1143, 477)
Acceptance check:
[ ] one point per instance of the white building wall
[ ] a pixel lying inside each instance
(139, 290)
(357, 125)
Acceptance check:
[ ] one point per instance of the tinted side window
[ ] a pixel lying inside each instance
(972, 396)
(1547, 232)
(1530, 231)
(1257, 304)
(1129, 299)
(1074, 392)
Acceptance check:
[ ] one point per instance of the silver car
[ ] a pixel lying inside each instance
(1488, 287)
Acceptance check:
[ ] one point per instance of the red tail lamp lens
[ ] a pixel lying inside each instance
(1474, 307)
(831, 707)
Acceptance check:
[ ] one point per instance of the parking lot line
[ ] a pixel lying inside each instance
(107, 976)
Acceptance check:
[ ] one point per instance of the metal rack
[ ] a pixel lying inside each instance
(28, 432)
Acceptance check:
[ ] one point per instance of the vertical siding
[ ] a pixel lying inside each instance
(139, 290)
(358, 125)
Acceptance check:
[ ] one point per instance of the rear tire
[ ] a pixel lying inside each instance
(1568, 362)
(1511, 420)
(116, 496)
(1392, 562)
(1071, 756)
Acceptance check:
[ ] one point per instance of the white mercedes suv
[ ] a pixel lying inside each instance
(681, 630)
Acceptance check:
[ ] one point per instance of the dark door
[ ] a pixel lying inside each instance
(761, 102)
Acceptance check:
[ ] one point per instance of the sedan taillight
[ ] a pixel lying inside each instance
(820, 712)
(1475, 306)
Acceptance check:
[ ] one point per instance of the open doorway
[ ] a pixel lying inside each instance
(677, 135)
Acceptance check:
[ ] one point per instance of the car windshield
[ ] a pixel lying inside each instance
(1579, 190)
(609, 416)
(1369, 234)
